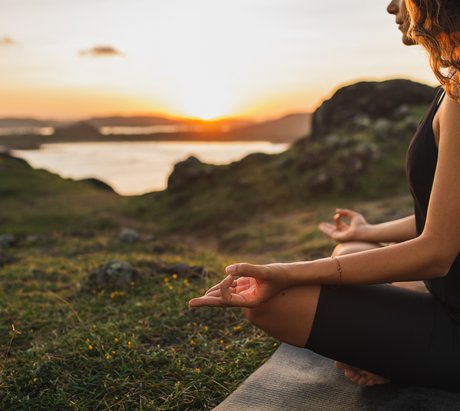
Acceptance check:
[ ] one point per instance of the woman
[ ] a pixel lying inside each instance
(342, 307)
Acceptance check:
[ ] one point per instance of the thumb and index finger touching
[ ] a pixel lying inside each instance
(336, 230)
(226, 297)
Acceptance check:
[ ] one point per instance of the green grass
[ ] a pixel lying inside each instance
(134, 348)
(35, 201)
(64, 346)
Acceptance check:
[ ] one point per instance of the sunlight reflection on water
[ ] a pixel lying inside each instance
(135, 167)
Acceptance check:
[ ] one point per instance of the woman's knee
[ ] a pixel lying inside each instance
(288, 316)
(351, 247)
(255, 315)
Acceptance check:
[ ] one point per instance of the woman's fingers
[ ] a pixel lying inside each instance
(249, 270)
(206, 301)
(327, 229)
(346, 212)
(212, 289)
(235, 300)
(225, 288)
(332, 231)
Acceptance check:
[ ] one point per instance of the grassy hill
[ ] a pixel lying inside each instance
(67, 343)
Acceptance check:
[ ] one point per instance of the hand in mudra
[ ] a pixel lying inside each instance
(341, 231)
(255, 285)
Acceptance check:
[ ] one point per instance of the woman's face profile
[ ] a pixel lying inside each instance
(398, 9)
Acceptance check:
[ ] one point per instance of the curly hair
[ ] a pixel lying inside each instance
(435, 25)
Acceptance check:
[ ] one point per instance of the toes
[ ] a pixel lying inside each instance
(341, 365)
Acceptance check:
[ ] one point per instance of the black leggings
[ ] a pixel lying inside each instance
(403, 335)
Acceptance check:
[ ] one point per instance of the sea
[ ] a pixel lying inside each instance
(134, 168)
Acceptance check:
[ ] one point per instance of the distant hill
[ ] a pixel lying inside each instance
(284, 130)
(133, 121)
(25, 122)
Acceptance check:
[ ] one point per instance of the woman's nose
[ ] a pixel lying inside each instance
(393, 7)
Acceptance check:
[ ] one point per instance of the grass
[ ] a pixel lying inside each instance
(64, 347)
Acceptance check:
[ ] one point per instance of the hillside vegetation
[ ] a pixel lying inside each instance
(94, 286)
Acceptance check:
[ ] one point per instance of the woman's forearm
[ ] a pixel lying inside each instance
(416, 259)
(392, 231)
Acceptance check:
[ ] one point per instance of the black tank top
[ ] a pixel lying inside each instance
(421, 160)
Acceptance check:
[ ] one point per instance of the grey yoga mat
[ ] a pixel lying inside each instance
(296, 379)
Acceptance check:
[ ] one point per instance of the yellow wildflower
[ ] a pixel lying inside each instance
(108, 357)
(205, 328)
(90, 347)
(129, 345)
(87, 340)
(116, 340)
(174, 276)
(197, 370)
(237, 328)
(113, 352)
(166, 280)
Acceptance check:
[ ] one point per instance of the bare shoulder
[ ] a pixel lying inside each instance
(449, 119)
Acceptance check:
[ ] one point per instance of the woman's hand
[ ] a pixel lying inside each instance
(341, 231)
(247, 285)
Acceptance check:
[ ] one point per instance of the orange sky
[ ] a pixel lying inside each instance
(202, 58)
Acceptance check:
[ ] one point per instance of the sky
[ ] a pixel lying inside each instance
(68, 59)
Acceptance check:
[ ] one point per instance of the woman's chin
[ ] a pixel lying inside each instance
(407, 40)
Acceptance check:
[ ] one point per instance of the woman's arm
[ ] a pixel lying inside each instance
(360, 230)
(397, 231)
(428, 256)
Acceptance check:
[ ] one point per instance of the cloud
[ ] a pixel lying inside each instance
(101, 51)
(7, 41)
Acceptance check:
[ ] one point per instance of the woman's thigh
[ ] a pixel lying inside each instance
(397, 333)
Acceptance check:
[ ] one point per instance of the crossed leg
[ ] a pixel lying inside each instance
(289, 315)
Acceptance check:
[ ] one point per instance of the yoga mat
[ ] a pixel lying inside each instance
(296, 379)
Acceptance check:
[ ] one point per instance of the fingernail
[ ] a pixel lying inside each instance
(232, 268)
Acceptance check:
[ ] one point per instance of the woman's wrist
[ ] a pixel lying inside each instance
(367, 233)
(300, 272)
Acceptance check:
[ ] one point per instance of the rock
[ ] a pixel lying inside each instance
(101, 185)
(76, 132)
(362, 121)
(369, 99)
(188, 171)
(129, 235)
(5, 151)
(402, 111)
(319, 182)
(332, 141)
(383, 128)
(7, 240)
(113, 274)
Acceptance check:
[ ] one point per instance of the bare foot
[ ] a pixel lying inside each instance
(360, 377)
